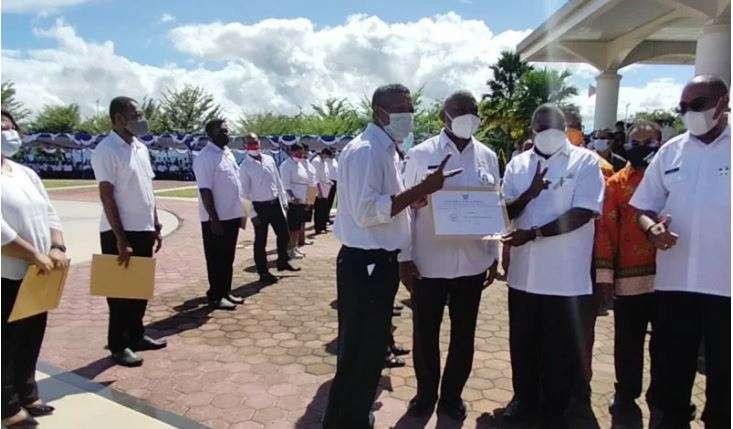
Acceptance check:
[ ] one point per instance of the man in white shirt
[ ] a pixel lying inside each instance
(684, 206)
(262, 186)
(322, 165)
(333, 178)
(220, 211)
(373, 225)
(296, 179)
(553, 191)
(313, 182)
(447, 271)
(129, 224)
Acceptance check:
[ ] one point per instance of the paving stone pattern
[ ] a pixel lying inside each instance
(270, 362)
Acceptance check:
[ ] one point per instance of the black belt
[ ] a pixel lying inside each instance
(272, 202)
(377, 253)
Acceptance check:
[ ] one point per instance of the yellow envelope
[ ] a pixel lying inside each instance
(310, 197)
(109, 279)
(38, 293)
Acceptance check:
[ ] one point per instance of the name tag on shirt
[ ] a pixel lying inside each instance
(672, 170)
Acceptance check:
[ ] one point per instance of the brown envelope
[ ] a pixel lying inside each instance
(310, 197)
(38, 293)
(112, 280)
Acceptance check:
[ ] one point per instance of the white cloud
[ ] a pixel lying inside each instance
(167, 17)
(37, 6)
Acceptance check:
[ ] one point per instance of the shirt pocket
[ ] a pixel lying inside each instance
(560, 191)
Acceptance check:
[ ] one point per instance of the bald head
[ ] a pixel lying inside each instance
(548, 116)
(702, 94)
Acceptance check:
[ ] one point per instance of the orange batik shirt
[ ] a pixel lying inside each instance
(624, 256)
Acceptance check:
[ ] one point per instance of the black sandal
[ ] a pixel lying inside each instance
(39, 410)
(392, 361)
(398, 351)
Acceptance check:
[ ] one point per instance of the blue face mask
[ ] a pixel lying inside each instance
(11, 143)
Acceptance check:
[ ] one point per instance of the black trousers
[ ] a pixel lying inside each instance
(632, 315)
(684, 319)
(270, 213)
(331, 195)
(126, 315)
(219, 251)
(321, 212)
(546, 345)
(429, 297)
(367, 282)
(21, 344)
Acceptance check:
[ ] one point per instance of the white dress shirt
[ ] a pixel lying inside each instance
(558, 265)
(690, 181)
(296, 178)
(127, 167)
(333, 166)
(216, 169)
(322, 171)
(435, 256)
(261, 179)
(26, 212)
(368, 178)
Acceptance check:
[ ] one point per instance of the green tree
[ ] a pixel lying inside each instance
(187, 110)
(96, 124)
(151, 109)
(56, 119)
(12, 104)
(662, 117)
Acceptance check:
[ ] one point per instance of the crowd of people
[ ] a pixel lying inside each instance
(635, 223)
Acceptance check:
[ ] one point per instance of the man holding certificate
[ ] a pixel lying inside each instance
(129, 224)
(451, 269)
(554, 192)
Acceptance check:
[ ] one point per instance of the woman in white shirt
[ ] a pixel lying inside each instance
(31, 234)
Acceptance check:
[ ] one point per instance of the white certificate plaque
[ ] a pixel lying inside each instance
(469, 213)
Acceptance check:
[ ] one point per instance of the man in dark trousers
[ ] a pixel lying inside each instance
(262, 186)
(373, 225)
(322, 165)
(129, 225)
(221, 212)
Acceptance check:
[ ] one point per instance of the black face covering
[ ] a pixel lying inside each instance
(221, 139)
(639, 156)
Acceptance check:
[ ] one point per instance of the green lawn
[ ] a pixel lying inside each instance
(180, 193)
(63, 183)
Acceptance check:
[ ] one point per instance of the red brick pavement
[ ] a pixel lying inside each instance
(269, 363)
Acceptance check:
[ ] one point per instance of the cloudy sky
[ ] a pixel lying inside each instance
(280, 56)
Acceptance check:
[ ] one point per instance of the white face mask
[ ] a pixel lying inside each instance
(550, 141)
(599, 145)
(400, 126)
(465, 125)
(11, 143)
(699, 123)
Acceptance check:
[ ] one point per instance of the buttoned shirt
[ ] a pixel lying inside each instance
(333, 166)
(322, 172)
(434, 256)
(690, 181)
(261, 181)
(296, 177)
(368, 178)
(216, 169)
(127, 167)
(558, 265)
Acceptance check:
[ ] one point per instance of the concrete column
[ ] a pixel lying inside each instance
(713, 49)
(607, 85)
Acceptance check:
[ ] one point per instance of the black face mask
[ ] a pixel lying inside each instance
(221, 139)
(639, 156)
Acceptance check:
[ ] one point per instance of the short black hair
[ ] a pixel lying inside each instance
(212, 125)
(384, 95)
(296, 146)
(9, 115)
(118, 105)
(327, 151)
(305, 146)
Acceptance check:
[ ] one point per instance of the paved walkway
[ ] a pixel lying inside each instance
(269, 363)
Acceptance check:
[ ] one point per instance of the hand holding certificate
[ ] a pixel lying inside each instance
(469, 213)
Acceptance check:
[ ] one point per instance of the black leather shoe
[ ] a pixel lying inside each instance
(235, 299)
(420, 407)
(454, 410)
(147, 343)
(223, 304)
(398, 351)
(267, 278)
(286, 267)
(127, 357)
(26, 423)
(39, 410)
(517, 411)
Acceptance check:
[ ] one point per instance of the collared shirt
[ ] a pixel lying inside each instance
(690, 181)
(127, 167)
(216, 169)
(558, 265)
(333, 169)
(437, 257)
(624, 256)
(28, 213)
(261, 179)
(296, 177)
(368, 178)
(322, 172)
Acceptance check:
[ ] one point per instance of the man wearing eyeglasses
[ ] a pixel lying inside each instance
(683, 204)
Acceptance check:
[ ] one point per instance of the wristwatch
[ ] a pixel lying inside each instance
(60, 247)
